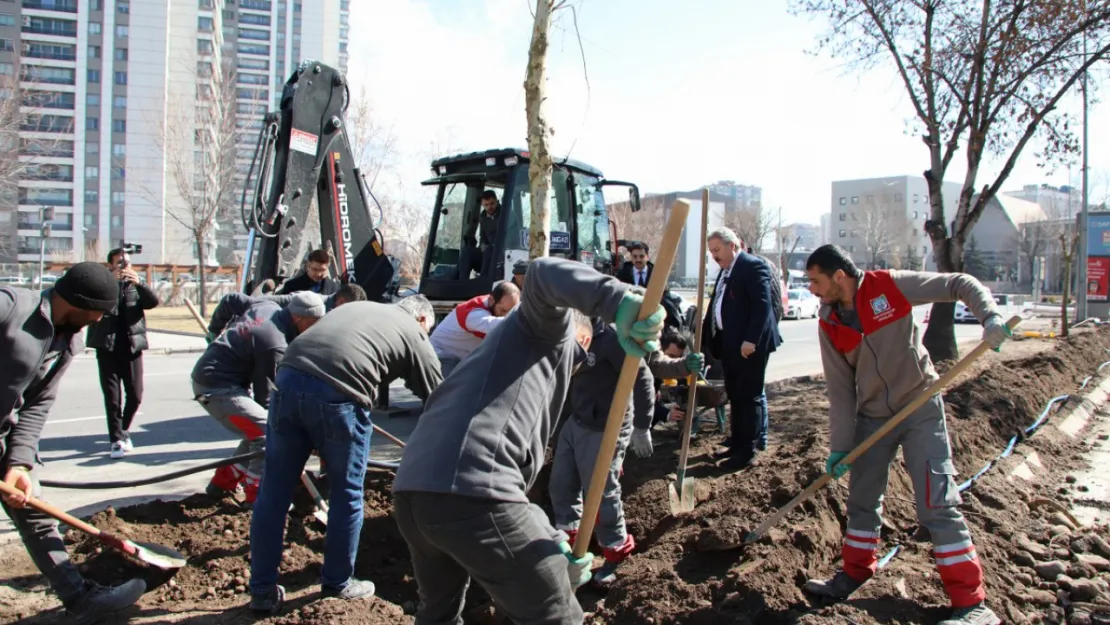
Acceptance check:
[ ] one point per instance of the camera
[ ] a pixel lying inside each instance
(132, 248)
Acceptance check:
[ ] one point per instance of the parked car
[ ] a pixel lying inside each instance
(962, 314)
(801, 304)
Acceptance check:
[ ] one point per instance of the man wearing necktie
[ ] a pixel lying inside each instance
(638, 271)
(742, 332)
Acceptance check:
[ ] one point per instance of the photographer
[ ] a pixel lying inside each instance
(119, 339)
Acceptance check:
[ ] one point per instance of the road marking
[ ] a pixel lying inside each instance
(101, 417)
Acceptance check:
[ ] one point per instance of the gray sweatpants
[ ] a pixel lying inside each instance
(571, 471)
(40, 536)
(237, 411)
(508, 548)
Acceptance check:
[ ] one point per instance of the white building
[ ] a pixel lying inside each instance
(108, 74)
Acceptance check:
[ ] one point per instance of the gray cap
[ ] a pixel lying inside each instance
(520, 267)
(307, 304)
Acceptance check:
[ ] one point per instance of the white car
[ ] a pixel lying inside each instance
(801, 304)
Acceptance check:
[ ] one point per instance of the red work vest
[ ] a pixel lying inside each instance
(463, 310)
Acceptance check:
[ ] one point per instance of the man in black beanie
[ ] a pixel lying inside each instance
(38, 339)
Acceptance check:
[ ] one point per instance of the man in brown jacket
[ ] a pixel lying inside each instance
(875, 364)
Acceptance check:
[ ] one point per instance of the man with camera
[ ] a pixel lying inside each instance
(119, 339)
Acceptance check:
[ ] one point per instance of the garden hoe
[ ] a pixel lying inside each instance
(148, 553)
(938, 386)
(629, 369)
(321, 513)
(682, 490)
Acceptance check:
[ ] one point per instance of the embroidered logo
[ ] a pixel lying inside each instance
(880, 305)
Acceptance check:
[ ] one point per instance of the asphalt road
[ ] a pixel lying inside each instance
(173, 432)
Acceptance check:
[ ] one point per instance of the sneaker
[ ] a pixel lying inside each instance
(839, 588)
(118, 451)
(127, 444)
(978, 614)
(606, 574)
(101, 601)
(268, 602)
(216, 492)
(355, 589)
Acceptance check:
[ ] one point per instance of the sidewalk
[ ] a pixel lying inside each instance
(168, 342)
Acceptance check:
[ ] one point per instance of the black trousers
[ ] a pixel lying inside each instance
(121, 375)
(744, 378)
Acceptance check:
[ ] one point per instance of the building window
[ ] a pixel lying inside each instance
(843, 201)
(205, 5)
(121, 78)
(204, 24)
(92, 196)
(94, 52)
(92, 99)
(89, 218)
(7, 19)
(92, 172)
(94, 75)
(257, 35)
(852, 249)
(251, 18)
(256, 79)
(121, 54)
(117, 221)
(92, 123)
(120, 102)
(118, 173)
(855, 234)
(119, 150)
(204, 46)
(97, 5)
(122, 30)
(843, 234)
(92, 147)
(254, 49)
(119, 125)
(7, 45)
(117, 200)
(843, 216)
(94, 28)
(260, 64)
(915, 214)
(855, 199)
(123, 7)
(915, 198)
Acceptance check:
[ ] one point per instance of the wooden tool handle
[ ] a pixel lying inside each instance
(891, 423)
(50, 510)
(691, 405)
(656, 285)
(196, 315)
(400, 443)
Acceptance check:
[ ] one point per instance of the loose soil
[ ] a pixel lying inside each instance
(677, 575)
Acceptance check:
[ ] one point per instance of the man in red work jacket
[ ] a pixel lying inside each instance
(875, 364)
(463, 330)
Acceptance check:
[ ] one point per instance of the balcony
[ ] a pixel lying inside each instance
(36, 52)
(37, 225)
(66, 128)
(56, 31)
(48, 5)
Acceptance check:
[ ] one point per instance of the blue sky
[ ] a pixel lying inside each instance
(680, 95)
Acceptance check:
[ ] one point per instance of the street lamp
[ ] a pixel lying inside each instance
(46, 215)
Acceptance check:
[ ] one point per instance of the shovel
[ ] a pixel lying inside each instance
(663, 262)
(682, 490)
(196, 316)
(155, 555)
(938, 386)
(321, 513)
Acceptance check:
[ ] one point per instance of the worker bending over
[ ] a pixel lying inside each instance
(460, 495)
(326, 387)
(247, 356)
(235, 307)
(38, 340)
(463, 330)
(591, 395)
(875, 364)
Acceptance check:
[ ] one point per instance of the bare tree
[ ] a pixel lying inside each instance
(645, 225)
(752, 223)
(984, 79)
(373, 143)
(539, 162)
(198, 140)
(1069, 245)
(1032, 241)
(885, 233)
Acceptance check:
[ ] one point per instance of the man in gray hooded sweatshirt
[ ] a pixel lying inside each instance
(460, 495)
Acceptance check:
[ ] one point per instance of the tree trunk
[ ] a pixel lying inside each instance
(1070, 249)
(539, 166)
(940, 334)
(202, 291)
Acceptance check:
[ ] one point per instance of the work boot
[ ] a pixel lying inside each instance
(355, 589)
(268, 602)
(978, 614)
(839, 588)
(100, 601)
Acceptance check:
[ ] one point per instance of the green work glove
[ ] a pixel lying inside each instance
(638, 338)
(209, 337)
(995, 331)
(834, 466)
(694, 362)
(577, 569)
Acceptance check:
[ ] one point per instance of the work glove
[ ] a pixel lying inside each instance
(995, 331)
(209, 337)
(577, 570)
(694, 362)
(638, 338)
(641, 442)
(834, 466)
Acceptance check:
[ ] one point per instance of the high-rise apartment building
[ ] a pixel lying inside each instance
(102, 79)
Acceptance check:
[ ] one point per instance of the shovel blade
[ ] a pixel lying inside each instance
(158, 556)
(682, 497)
(321, 516)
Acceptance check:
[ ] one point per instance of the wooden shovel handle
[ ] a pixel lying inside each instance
(50, 510)
(938, 386)
(396, 441)
(196, 315)
(691, 404)
(654, 293)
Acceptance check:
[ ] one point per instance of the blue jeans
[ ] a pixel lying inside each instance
(307, 413)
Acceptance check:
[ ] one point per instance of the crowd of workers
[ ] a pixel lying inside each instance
(504, 377)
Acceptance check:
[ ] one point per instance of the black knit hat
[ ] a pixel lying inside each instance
(89, 286)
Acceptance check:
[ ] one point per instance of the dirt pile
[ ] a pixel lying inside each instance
(1036, 563)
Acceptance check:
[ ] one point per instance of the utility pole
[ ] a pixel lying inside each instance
(1081, 290)
(46, 215)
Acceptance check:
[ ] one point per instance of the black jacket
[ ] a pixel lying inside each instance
(304, 283)
(133, 300)
(625, 273)
(747, 311)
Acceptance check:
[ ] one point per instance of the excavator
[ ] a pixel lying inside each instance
(307, 184)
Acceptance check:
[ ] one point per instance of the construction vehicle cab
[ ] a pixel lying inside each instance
(471, 246)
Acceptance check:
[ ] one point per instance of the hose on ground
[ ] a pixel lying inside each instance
(166, 477)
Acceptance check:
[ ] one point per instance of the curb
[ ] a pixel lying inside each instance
(1071, 420)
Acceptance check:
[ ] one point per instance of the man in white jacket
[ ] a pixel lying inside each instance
(462, 331)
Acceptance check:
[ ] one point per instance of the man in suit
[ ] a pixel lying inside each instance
(315, 277)
(742, 330)
(638, 271)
